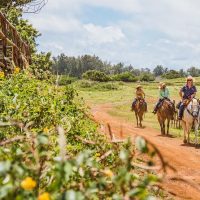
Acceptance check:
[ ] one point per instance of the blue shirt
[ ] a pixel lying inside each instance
(187, 92)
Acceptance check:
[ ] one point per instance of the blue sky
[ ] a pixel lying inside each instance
(143, 33)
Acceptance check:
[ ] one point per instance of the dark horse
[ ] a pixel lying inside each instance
(165, 112)
(140, 109)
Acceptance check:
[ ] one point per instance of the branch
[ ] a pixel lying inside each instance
(18, 138)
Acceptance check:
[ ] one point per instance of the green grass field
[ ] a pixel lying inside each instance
(122, 97)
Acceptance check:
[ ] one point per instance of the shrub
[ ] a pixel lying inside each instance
(50, 148)
(147, 77)
(66, 80)
(98, 86)
(125, 77)
(172, 74)
(95, 75)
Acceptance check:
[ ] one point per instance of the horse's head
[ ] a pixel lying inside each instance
(193, 107)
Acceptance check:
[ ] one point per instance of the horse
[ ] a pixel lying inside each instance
(165, 112)
(191, 117)
(140, 109)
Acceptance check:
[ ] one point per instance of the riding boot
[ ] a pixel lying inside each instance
(181, 110)
(156, 107)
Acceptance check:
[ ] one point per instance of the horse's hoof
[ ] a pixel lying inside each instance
(184, 141)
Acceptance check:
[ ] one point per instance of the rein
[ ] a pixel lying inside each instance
(191, 113)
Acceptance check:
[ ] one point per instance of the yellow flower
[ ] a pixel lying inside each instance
(44, 196)
(108, 173)
(16, 70)
(45, 130)
(97, 155)
(2, 75)
(28, 183)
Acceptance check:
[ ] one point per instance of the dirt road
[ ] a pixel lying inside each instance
(185, 159)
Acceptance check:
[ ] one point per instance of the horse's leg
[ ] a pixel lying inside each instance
(140, 117)
(159, 120)
(189, 126)
(136, 118)
(196, 127)
(168, 123)
(163, 127)
(184, 130)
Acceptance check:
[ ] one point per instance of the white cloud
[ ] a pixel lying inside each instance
(99, 34)
(153, 32)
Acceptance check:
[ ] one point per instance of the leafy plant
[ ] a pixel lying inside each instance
(95, 75)
(50, 149)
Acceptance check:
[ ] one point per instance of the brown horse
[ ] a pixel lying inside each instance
(140, 109)
(165, 112)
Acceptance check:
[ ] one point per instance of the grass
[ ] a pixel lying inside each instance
(122, 97)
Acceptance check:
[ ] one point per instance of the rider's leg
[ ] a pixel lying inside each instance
(133, 104)
(181, 110)
(157, 106)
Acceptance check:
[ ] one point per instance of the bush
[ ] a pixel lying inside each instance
(98, 86)
(172, 74)
(66, 80)
(50, 149)
(125, 77)
(95, 75)
(147, 77)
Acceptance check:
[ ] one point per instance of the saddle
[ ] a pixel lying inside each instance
(186, 102)
(169, 103)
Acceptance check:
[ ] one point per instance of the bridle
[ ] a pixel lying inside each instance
(192, 112)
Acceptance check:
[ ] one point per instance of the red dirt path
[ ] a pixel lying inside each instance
(185, 159)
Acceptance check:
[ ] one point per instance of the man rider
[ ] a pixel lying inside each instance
(187, 92)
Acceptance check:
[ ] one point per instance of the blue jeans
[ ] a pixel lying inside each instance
(181, 110)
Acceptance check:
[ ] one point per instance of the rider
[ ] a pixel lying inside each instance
(187, 92)
(163, 94)
(139, 95)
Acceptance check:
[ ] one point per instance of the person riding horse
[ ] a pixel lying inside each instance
(140, 95)
(187, 93)
(163, 94)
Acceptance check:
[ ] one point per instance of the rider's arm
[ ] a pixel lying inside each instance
(195, 91)
(143, 94)
(167, 93)
(193, 95)
(181, 93)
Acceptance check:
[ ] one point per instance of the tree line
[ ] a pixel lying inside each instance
(91, 66)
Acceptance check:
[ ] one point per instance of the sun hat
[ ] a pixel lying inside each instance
(189, 78)
(138, 86)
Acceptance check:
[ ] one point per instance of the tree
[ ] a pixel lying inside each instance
(193, 71)
(26, 30)
(118, 68)
(28, 6)
(159, 70)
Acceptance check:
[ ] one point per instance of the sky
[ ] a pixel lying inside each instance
(143, 33)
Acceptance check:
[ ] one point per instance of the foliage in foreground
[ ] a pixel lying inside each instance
(49, 148)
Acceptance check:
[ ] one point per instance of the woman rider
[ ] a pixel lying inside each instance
(187, 92)
(139, 95)
(163, 94)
